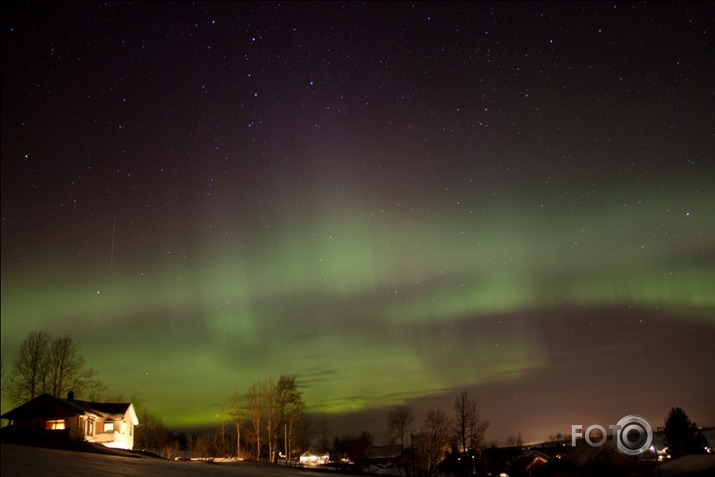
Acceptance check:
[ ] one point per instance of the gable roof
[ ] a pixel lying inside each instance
(105, 410)
(46, 406)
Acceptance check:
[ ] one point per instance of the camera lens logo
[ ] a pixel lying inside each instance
(633, 435)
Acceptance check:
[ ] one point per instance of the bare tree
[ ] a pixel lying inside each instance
(207, 446)
(222, 434)
(153, 434)
(289, 409)
(257, 410)
(97, 391)
(431, 442)
(28, 378)
(277, 412)
(467, 424)
(66, 369)
(236, 411)
(515, 441)
(269, 404)
(301, 432)
(398, 421)
(54, 367)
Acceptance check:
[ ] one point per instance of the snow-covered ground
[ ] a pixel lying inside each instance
(23, 461)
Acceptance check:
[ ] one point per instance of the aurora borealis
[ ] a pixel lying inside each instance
(392, 202)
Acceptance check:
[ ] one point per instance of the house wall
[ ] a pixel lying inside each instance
(91, 426)
(119, 436)
(73, 427)
(86, 426)
(129, 432)
(130, 422)
(29, 424)
(123, 435)
(76, 428)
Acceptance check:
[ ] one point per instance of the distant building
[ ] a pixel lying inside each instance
(536, 459)
(47, 418)
(701, 465)
(310, 458)
(603, 460)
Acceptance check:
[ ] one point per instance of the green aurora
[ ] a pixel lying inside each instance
(392, 202)
(333, 301)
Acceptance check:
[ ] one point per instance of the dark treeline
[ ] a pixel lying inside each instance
(269, 422)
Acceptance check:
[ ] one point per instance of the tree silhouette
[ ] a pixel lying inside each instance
(431, 442)
(256, 405)
(682, 436)
(28, 378)
(154, 435)
(237, 412)
(398, 421)
(468, 425)
(290, 411)
(43, 365)
(468, 428)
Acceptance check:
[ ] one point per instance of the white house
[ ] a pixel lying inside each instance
(48, 417)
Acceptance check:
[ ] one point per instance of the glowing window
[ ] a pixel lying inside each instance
(55, 424)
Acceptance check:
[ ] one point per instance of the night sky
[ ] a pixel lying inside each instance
(393, 202)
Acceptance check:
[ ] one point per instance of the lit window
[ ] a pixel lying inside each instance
(108, 427)
(55, 424)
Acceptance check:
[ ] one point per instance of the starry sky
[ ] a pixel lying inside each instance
(393, 202)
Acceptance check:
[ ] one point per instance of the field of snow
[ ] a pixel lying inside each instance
(16, 460)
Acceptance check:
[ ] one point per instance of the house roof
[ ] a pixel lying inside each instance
(105, 410)
(46, 406)
(701, 464)
(586, 455)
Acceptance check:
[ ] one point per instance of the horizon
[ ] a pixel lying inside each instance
(391, 202)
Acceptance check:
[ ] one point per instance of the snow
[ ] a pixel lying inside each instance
(16, 460)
